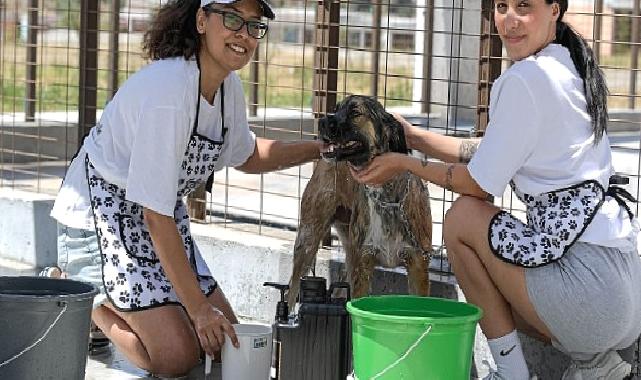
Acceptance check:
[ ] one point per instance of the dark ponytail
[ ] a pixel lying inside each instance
(172, 32)
(596, 90)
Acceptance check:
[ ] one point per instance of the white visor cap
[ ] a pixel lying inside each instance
(266, 7)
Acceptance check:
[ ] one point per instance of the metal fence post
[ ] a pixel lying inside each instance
(489, 62)
(634, 54)
(3, 23)
(426, 88)
(32, 61)
(325, 64)
(597, 26)
(114, 42)
(326, 57)
(376, 40)
(88, 66)
(197, 204)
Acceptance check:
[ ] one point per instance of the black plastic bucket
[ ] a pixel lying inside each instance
(44, 328)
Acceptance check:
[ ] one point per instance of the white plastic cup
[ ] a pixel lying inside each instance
(252, 360)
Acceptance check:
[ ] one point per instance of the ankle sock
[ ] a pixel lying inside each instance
(508, 356)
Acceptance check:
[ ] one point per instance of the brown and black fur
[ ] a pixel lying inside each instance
(388, 226)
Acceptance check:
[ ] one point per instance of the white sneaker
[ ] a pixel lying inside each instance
(494, 375)
(605, 366)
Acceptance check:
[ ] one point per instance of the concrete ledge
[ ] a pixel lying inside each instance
(27, 232)
(241, 262)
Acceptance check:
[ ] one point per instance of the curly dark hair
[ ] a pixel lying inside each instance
(172, 32)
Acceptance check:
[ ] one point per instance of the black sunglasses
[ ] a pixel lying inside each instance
(234, 22)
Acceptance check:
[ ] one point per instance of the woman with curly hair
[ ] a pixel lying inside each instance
(167, 129)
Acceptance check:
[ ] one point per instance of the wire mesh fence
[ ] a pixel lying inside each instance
(45, 93)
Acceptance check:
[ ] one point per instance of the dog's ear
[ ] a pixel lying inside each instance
(388, 128)
(396, 134)
(346, 100)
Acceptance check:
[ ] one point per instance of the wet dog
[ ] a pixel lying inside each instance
(389, 225)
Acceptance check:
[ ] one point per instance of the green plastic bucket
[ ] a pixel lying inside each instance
(412, 338)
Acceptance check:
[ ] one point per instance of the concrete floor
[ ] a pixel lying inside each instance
(113, 366)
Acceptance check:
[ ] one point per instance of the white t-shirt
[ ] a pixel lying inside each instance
(142, 136)
(540, 136)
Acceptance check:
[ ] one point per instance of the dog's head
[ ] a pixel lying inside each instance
(359, 130)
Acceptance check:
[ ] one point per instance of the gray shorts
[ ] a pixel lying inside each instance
(590, 299)
(79, 257)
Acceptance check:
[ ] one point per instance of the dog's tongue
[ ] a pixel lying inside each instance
(329, 151)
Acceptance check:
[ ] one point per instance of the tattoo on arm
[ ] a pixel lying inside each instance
(467, 149)
(448, 177)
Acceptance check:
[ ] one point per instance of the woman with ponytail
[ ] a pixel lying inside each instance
(569, 273)
(124, 224)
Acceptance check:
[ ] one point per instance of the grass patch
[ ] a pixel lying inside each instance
(286, 81)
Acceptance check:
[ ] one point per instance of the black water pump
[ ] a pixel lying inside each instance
(315, 342)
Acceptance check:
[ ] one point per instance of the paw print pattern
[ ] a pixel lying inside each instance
(133, 276)
(135, 238)
(198, 163)
(554, 221)
(124, 297)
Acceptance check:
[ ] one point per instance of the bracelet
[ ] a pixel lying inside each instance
(448, 177)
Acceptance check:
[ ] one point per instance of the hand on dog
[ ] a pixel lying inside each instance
(408, 129)
(382, 169)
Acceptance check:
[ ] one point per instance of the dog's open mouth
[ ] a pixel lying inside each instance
(343, 151)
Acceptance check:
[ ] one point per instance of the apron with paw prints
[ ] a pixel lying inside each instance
(555, 221)
(132, 274)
